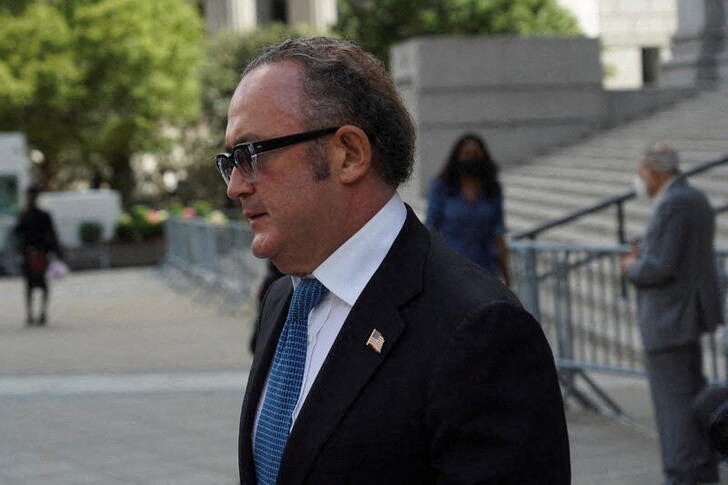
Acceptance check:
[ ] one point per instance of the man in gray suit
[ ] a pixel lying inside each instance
(678, 299)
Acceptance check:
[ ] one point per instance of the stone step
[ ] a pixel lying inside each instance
(523, 215)
(572, 193)
(592, 229)
(574, 177)
(621, 161)
(595, 229)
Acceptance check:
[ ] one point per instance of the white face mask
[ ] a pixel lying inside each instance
(640, 188)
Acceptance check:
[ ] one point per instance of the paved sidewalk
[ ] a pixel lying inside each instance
(138, 380)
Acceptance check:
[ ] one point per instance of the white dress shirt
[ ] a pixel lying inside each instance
(661, 193)
(344, 273)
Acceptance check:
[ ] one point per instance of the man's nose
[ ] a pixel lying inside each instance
(239, 185)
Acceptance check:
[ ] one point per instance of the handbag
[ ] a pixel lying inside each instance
(57, 269)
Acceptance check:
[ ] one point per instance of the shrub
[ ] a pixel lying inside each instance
(89, 232)
(125, 232)
(140, 224)
(202, 208)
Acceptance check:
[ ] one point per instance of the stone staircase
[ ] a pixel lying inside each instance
(574, 177)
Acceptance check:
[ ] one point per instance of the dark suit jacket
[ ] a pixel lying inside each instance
(678, 294)
(464, 391)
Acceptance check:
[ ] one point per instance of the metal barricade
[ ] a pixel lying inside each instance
(588, 311)
(216, 255)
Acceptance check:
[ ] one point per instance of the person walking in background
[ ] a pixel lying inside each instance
(385, 357)
(36, 238)
(678, 299)
(465, 206)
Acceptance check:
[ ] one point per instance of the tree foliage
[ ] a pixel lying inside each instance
(227, 54)
(378, 24)
(40, 81)
(92, 82)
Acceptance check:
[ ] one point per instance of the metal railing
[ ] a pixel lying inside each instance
(616, 201)
(576, 292)
(216, 255)
(588, 315)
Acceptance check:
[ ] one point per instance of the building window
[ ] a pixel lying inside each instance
(650, 65)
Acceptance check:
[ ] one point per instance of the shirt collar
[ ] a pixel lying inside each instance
(661, 193)
(347, 270)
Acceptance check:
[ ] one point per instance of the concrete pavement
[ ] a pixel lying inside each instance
(138, 380)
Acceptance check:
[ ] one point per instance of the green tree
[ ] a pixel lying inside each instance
(92, 82)
(142, 63)
(227, 54)
(378, 24)
(13, 6)
(41, 83)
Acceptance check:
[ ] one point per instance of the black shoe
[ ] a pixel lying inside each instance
(29, 322)
(42, 319)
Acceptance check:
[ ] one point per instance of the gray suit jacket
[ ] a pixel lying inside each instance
(678, 294)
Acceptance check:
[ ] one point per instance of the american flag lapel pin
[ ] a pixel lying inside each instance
(375, 341)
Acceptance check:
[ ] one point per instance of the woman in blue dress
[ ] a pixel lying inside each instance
(465, 206)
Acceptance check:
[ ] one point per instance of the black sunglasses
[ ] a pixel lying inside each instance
(244, 155)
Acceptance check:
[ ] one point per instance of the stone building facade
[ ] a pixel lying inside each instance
(248, 14)
(654, 42)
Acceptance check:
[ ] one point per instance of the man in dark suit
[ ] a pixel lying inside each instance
(384, 358)
(678, 299)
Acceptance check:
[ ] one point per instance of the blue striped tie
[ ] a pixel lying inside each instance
(284, 382)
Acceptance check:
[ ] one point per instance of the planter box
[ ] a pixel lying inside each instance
(116, 255)
(148, 253)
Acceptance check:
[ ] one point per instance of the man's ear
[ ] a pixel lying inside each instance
(354, 152)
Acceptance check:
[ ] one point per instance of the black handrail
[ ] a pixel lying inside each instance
(616, 200)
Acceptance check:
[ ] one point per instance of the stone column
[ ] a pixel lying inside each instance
(243, 14)
(698, 46)
(230, 14)
(713, 67)
(320, 14)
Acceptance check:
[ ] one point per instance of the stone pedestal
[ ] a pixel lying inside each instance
(521, 95)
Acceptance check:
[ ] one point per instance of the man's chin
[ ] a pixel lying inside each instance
(261, 254)
(261, 247)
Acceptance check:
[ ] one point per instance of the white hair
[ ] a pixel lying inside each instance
(661, 157)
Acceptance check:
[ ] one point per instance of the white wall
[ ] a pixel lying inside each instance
(586, 13)
(70, 209)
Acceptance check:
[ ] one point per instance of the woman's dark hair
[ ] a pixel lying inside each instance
(489, 174)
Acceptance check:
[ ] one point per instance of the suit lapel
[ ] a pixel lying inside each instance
(350, 363)
(271, 325)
